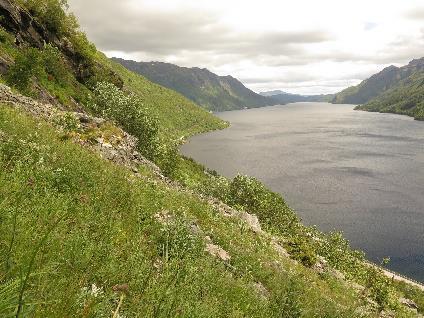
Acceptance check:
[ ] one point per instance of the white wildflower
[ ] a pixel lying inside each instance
(96, 291)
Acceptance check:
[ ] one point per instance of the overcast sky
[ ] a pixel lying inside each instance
(300, 46)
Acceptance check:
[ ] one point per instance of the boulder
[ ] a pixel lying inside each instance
(216, 251)
(251, 220)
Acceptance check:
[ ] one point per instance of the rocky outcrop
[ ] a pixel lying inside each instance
(25, 28)
(120, 148)
(30, 32)
(409, 303)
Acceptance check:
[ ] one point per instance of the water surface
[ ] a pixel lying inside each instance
(359, 172)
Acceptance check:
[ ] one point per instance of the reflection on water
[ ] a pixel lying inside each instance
(359, 172)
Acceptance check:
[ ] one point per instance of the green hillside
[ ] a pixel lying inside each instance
(101, 217)
(71, 67)
(393, 90)
(178, 116)
(213, 92)
(406, 98)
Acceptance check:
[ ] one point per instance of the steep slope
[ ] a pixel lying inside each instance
(285, 98)
(179, 116)
(213, 92)
(72, 67)
(90, 227)
(394, 90)
(406, 98)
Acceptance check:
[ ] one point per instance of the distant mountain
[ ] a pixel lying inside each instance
(397, 90)
(282, 97)
(213, 92)
(273, 93)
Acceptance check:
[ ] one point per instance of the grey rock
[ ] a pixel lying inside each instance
(408, 303)
(217, 251)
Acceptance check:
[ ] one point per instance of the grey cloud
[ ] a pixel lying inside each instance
(417, 14)
(288, 78)
(118, 28)
(191, 38)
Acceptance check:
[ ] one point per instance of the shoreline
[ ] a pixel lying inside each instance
(387, 272)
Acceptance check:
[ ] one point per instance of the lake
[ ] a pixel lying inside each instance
(340, 169)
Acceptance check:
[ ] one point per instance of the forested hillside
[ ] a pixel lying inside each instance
(397, 90)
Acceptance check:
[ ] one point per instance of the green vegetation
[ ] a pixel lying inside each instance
(412, 292)
(407, 98)
(213, 92)
(52, 14)
(393, 90)
(70, 76)
(127, 110)
(49, 69)
(79, 234)
(83, 237)
(179, 118)
(75, 228)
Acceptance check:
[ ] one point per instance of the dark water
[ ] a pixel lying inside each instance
(359, 172)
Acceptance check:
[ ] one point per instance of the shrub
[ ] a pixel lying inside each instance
(380, 288)
(339, 254)
(419, 115)
(254, 197)
(85, 50)
(67, 122)
(27, 64)
(54, 64)
(302, 251)
(5, 37)
(51, 13)
(127, 110)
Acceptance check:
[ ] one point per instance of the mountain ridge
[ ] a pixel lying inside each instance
(285, 98)
(398, 90)
(213, 92)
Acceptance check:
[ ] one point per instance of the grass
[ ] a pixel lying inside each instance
(80, 236)
(179, 117)
(73, 226)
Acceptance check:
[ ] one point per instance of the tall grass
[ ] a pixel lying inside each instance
(73, 227)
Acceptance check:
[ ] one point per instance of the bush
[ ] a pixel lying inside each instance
(419, 115)
(270, 207)
(380, 288)
(339, 254)
(27, 64)
(127, 110)
(302, 251)
(54, 64)
(85, 50)
(5, 37)
(67, 122)
(51, 13)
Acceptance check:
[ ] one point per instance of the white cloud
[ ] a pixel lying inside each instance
(299, 46)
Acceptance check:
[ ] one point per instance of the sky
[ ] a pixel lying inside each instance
(298, 46)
